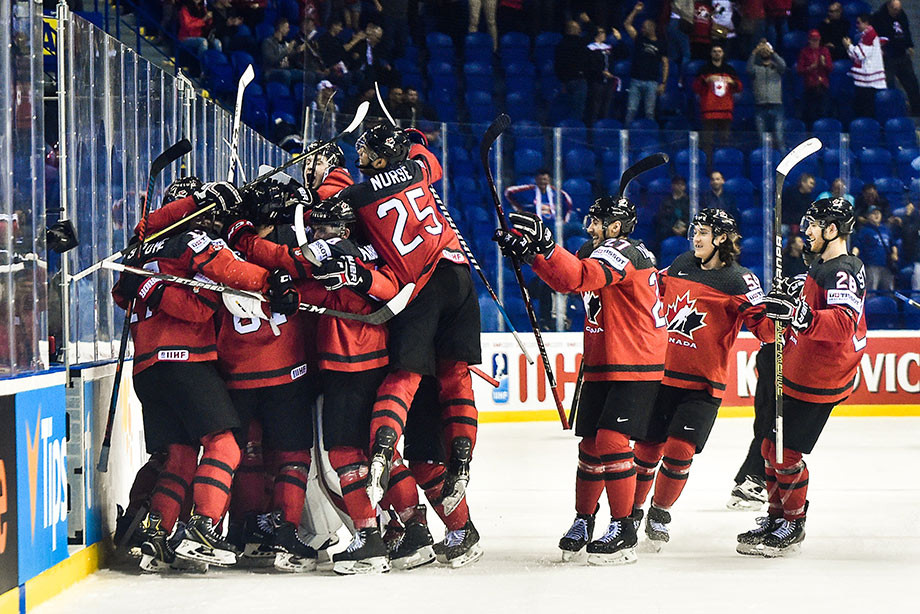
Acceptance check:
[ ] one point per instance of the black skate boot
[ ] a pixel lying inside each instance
(412, 547)
(458, 474)
(202, 543)
(656, 527)
(637, 516)
(291, 553)
(751, 542)
(751, 494)
(460, 547)
(578, 536)
(617, 546)
(129, 534)
(365, 554)
(157, 554)
(785, 539)
(379, 471)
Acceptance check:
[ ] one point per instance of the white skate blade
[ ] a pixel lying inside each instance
(467, 558)
(257, 555)
(196, 551)
(744, 505)
(749, 549)
(623, 557)
(652, 546)
(772, 553)
(285, 561)
(569, 556)
(376, 564)
(420, 557)
(154, 565)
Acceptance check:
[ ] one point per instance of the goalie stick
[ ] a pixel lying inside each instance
(360, 114)
(245, 79)
(381, 316)
(801, 151)
(501, 123)
(159, 163)
(642, 166)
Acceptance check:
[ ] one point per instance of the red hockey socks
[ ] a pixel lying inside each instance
(172, 485)
(768, 451)
(647, 456)
(248, 493)
(290, 470)
(619, 471)
(351, 466)
(144, 483)
(459, 417)
(791, 481)
(211, 486)
(394, 397)
(675, 469)
(402, 490)
(430, 477)
(589, 477)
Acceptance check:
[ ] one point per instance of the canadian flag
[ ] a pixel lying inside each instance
(719, 87)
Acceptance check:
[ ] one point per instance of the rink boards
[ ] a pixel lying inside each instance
(55, 507)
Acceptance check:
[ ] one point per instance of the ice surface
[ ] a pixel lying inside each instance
(861, 552)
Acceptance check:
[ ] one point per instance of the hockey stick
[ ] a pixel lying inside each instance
(381, 316)
(801, 151)
(245, 79)
(501, 123)
(159, 163)
(482, 374)
(359, 117)
(909, 301)
(644, 165)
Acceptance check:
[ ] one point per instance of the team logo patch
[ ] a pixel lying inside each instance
(592, 307)
(683, 317)
(174, 355)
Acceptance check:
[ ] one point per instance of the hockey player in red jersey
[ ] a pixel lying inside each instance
(622, 364)
(325, 171)
(708, 296)
(438, 332)
(825, 338)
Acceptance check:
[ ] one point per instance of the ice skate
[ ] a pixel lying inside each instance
(458, 474)
(202, 543)
(656, 528)
(254, 538)
(412, 546)
(129, 535)
(158, 550)
(750, 495)
(366, 554)
(751, 542)
(378, 474)
(460, 547)
(785, 539)
(617, 546)
(291, 553)
(578, 536)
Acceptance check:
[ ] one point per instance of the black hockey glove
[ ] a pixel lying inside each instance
(803, 316)
(283, 296)
(514, 246)
(235, 231)
(222, 194)
(343, 272)
(531, 226)
(783, 299)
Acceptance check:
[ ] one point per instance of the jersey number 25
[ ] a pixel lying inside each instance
(402, 216)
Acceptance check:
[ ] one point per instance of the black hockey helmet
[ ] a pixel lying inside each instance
(181, 188)
(385, 141)
(720, 220)
(334, 211)
(826, 210)
(609, 209)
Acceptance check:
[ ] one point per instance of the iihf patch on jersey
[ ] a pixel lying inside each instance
(683, 318)
(199, 242)
(298, 372)
(846, 298)
(611, 256)
(172, 355)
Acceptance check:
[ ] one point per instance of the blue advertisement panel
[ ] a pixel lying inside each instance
(9, 562)
(92, 523)
(41, 456)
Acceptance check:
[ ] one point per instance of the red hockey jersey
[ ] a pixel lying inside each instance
(624, 324)
(705, 311)
(819, 364)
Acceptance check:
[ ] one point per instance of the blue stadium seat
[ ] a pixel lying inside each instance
(893, 189)
(682, 162)
(521, 105)
(792, 43)
(579, 162)
(264, 30)
(890, 103)
(791, 124)
(851, 10)
(900, 133)
(672, 103)
(881, 313)
(633, 190)
(521, 77)
(755, 164)
(605, 125)
(729, 161)
(831, 156)
(528, 134)
(478, 76)
(514, 47)
(751, 219)
(827, 129)
(477, 47)
(574, 131)
(527, 161)
(274, 89)
(671, 248)
(545, 46)
(580, 191)
(658, 189)
(644, 124)
(741, 189)
(255, 112)
(240, 60)
(874, 162)
(903, 159)
(865, 132)
(816, 13)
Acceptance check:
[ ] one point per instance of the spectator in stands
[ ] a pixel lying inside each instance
(352, 14)
(227, 22)
(874, 245)
(815, 65)
(571, 59)
(796, 200)
(838, 190)
(834, 29)
(649, 72)
(869, 197)
(723, 26)
(717, 198)
(396, 98)
(394, 17)
(715, 84)
(701, 35)
(777, 13)
(195, 26)
(324, 102)
(252, 11)
(414, 109)
(365, 60)
(328, 45)
(868, 71)
(909, 238)
(477, 7)
(539, 197)
(276, 54)
(511, 16)
(674, 212)
(766, 68)
(793, 257)
(892, 24)
(677, 39)
(752, 25)
(602, 84)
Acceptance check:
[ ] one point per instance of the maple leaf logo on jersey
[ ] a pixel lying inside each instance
(592, 307)
(683, 318)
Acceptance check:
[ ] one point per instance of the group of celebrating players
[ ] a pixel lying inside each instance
(241, 397)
